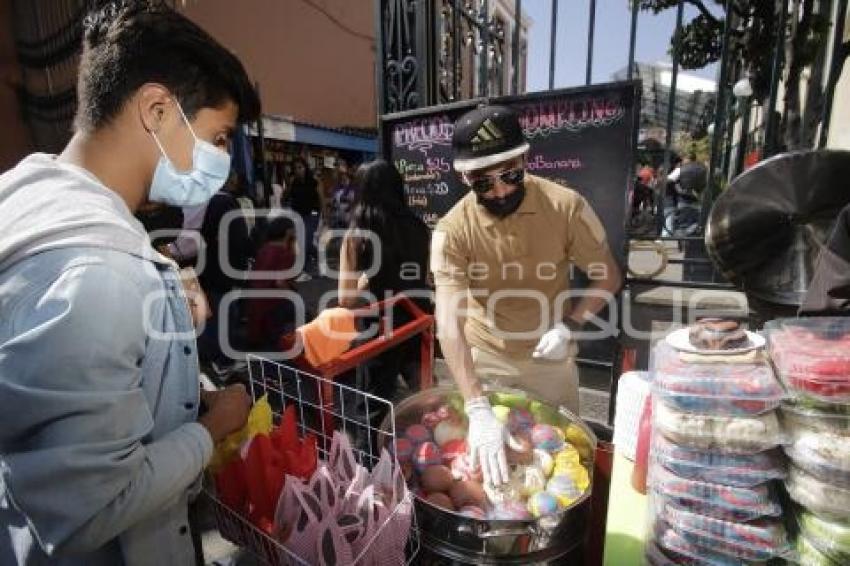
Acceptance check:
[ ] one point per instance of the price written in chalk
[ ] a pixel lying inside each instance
(438, 165)
(420, 201)
(437, 188)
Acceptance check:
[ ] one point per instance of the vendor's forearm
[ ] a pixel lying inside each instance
(601, 292)
(458, 358)
(456, 352)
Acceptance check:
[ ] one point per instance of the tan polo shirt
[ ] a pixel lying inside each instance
(515, 270)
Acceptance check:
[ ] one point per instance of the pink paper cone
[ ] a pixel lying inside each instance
(341, 458)
(382, 478)
(331, 546)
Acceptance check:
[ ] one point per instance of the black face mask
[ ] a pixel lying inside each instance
(502, 207)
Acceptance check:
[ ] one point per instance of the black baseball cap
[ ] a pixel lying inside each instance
(486, 136)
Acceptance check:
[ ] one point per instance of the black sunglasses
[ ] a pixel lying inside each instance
(485, 183)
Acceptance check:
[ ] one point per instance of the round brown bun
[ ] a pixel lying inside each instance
(436, 478)
(717, 334)
(468, 493)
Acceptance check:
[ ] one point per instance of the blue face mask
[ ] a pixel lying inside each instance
(210, 169)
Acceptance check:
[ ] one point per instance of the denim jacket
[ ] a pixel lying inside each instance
(99, 445)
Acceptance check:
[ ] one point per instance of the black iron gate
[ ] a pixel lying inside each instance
(438, 52)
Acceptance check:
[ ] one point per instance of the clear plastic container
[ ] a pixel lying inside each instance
(811, 462)
(714, 432)
(816, 417)
(808, 554)
(818, 442)
(825, 499)
(829, 538)
(678, 550)
(715, 387)
(812, 356)
(742, 470)
(755, 541)
(715, 500)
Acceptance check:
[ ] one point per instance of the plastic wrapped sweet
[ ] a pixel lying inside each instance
(681, 551)
(812, 356)
(816, 447)
(711, 432)
(757, 540)
(830, 538)
(810, 555)
(715, 500)
(655, 556)
(818, 468)
(823, 498)
(816, 416)
(742, 470)
(733, 389)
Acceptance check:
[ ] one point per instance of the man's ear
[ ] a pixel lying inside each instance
(154, 102)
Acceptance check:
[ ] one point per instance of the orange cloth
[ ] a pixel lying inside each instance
(328, 335)
(646, 175)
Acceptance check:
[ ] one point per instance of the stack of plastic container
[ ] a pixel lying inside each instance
(714, 497)
(812, 358)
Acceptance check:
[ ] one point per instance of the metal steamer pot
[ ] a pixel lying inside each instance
(467, 540)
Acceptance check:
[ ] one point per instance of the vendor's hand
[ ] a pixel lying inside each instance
(554, 345)
(486, 440)
(227, 410)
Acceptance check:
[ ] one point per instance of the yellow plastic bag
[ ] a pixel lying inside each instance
(259, 422)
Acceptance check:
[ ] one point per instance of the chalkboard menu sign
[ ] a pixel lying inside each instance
(582, 138)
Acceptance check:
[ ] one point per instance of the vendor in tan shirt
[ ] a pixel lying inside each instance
(501, 260)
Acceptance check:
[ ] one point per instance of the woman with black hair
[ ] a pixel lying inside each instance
(304, 198)
(385, 252)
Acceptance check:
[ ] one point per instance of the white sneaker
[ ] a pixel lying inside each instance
(303, 277)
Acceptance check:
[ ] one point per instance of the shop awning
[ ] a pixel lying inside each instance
(287, 129)
(338, 139)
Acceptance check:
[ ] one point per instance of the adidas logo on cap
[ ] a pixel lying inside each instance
(487, 132)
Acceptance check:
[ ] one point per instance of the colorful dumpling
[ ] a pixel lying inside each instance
(520, 420)
(417, 434)
(564, 489)
(426, 454)
(543, 503)
(547, 437)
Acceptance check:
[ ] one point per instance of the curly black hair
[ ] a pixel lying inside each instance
(128, 43)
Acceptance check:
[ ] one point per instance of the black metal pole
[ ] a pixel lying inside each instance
(775, 72)
(515, 48)
(554, 35)
(719, 116)
(426, 77)
(671, 104)
(485, 49)
(591, 28)
(380, 56)
(729, 134)
(456, 63)
(741, 154)
(633, 39)
(835, 67)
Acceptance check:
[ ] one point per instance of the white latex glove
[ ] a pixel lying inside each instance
(486, 440)
(554, 345)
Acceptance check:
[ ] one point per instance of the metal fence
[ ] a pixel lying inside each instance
(435, 52)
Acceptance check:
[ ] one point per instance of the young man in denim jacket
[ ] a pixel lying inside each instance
(100, 441)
